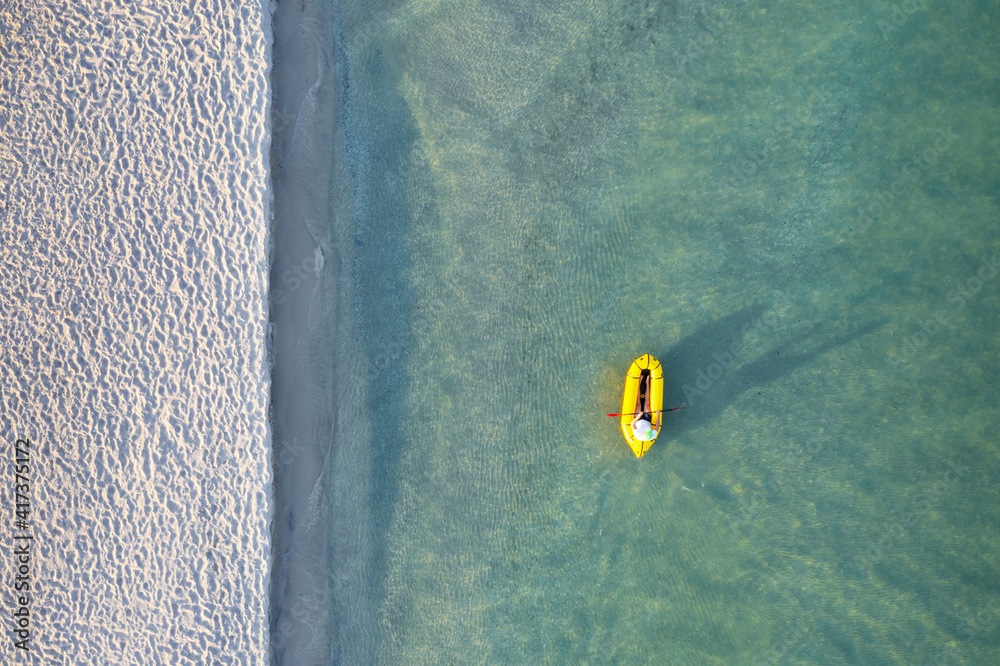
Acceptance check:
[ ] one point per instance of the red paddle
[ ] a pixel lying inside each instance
(655, 410)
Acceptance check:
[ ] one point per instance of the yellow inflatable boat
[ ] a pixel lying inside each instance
(643, 382)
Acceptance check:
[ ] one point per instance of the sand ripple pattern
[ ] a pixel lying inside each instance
(133, 221)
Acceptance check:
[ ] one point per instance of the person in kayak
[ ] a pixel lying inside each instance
(642, 424)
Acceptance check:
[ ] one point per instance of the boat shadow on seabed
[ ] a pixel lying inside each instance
(709, 369)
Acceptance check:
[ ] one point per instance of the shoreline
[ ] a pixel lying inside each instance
(302, 296)
(324, 601)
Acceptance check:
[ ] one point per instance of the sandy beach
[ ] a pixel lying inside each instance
(173, 246)
(134, 228)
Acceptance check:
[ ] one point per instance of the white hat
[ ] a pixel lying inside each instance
(643, 430)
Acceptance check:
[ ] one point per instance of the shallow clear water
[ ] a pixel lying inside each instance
(541, 195)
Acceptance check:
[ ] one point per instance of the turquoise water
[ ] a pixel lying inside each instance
(543, 194)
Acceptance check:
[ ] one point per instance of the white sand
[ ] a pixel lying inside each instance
(133, 231)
